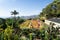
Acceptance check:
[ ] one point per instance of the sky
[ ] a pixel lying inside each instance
(24, 7)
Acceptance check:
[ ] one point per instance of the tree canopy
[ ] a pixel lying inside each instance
(51, 10)
(14, 12)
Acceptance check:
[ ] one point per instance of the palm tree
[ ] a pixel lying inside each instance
(14, 13)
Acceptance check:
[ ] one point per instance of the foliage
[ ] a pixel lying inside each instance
(15, 28)
(51, 10)
(47, 33)
(7, 33)
(3, 23)
(14, 12)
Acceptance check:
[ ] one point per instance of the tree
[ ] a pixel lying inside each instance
(51, 10)
(14, 13)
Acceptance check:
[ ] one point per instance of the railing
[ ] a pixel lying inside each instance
(56, 24)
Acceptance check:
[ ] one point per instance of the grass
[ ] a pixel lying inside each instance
(25, 24)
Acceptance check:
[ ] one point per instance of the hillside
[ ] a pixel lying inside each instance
(31, 24)
(51, 10)
(25, 24)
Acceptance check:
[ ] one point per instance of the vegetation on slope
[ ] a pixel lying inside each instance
(25, 24)
(51, 10)
(15, 28)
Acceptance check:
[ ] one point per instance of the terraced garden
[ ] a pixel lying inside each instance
(29, 24)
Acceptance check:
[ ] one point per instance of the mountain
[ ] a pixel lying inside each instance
(28, 17)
